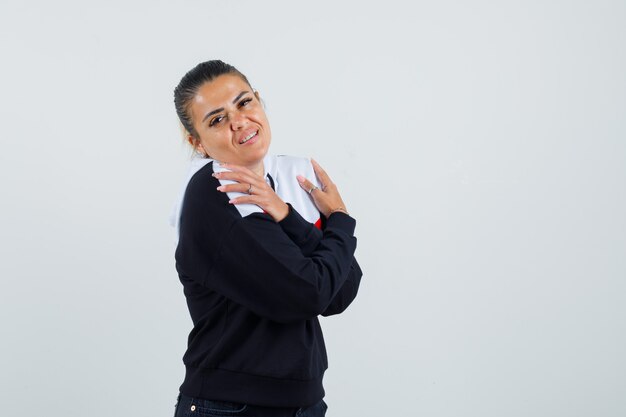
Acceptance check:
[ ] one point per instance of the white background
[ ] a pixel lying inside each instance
(480, 146)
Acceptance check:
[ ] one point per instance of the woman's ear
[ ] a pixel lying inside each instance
(191, 141)
(195, 144)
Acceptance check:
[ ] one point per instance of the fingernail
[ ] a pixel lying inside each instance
(220, 188)
(300, 178)
(214, 174)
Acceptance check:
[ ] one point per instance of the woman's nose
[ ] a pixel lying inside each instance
(237, 121)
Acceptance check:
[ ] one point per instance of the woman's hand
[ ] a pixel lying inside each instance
(326, 199)
(260, 193)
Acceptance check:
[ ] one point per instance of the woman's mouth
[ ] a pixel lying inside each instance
(249, 137)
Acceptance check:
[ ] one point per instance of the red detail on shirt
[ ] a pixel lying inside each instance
(318, 223)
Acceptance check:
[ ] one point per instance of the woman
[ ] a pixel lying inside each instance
(257, 262)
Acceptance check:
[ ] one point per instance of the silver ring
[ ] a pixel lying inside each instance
(315, 187)
(250, 189)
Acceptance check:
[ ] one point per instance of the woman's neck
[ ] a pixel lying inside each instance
(257, 168)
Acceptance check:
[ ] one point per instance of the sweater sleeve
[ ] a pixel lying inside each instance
(304, 234)
(307, 236)
(347, 293)
(253, 262)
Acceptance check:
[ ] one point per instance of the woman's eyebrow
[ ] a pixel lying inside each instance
(239, 95)
(222, 108)
(212, 113)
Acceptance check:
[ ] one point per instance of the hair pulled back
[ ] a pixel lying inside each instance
(192, 81)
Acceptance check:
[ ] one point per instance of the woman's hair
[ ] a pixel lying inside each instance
(192, 81)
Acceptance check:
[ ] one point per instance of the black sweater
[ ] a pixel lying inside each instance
(254, 288)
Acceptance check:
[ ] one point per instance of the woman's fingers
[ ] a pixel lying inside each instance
(260, 193)
(306, 185)
(321, 174)
(245, 180)
(233, 175)
(237, 188)
(245, 199)
(327, 200)
(237, 168)
(240, 177)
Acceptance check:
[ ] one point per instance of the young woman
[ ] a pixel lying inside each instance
(262, 252)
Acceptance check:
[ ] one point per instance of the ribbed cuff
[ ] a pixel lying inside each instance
(294, 224)
(343, 221)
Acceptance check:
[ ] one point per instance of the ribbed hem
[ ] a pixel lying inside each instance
(218, 384)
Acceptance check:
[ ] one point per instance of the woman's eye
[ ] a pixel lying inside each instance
(216, 120)
(244, 102)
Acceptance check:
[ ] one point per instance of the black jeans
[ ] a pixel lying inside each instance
(198, 407)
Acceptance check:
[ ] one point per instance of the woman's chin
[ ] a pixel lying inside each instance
(247, 160)
(245, 155)
(258, 153)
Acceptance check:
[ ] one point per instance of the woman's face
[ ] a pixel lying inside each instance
(230, 121)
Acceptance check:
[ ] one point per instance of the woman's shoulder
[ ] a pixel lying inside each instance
(199, 170)
(201, 191)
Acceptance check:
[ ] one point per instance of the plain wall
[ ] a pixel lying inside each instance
(480, 146)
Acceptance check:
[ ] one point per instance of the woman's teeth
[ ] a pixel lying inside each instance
(250, 136)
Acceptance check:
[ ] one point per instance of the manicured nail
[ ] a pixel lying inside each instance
(300, 178)
(220, 188)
